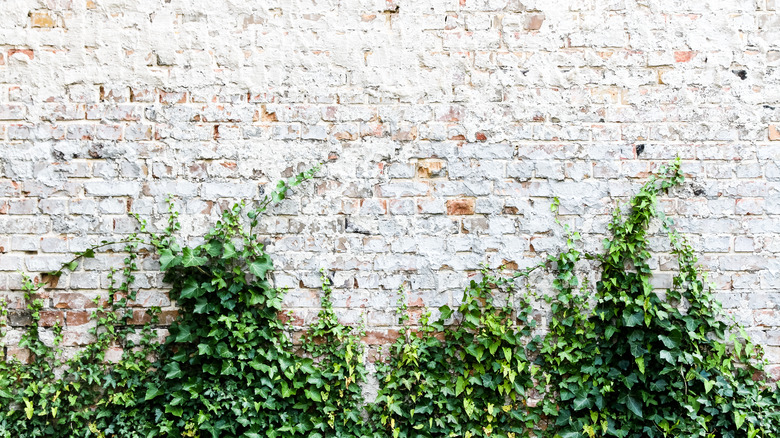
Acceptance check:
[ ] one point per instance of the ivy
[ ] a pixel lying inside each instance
(615, 359)
(637, 364)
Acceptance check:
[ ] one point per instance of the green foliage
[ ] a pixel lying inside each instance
(470, 379)
(620, 361)
(615, 359)
(227, 369)
(633, 364)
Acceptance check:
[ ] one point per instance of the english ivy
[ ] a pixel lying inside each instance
(615, 360)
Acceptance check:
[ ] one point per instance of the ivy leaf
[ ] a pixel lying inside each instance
(202, 306)
(634, 319)
(259, 267)
(205, 350)
(739, 419)
(640, 362)
(445, 311)
(152, 392)
(168, 260)
(174, 371)
(28, 408)
(184, 334)
(460, 385)
(191, 289)
(672, 341)
(174, 410)
(315, 380)
(582, 401)
(189, 258)
(634, 406)
(667, 356)
(214, 248)
(228, 251)
(313, 395)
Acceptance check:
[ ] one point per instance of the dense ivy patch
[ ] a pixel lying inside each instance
(615, 359)
(620, 361)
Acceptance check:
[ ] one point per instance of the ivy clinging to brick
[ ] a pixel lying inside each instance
(617, 359)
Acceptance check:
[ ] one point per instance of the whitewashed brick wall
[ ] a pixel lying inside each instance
(447, 127)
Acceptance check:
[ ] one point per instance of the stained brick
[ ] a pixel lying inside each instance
(463, 206)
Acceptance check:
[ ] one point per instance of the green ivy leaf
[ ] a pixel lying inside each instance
(609, 331)
(634, 319)
(634, 406)
(191, 289)
(189, 259)
(259, 267)
(460, 385)
(640, 363)
(229, 251)
(173, 371)
(739, 419)
(313, 395)
(152, 392)
(168, 260)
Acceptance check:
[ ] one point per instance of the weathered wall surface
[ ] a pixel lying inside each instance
(448, 126)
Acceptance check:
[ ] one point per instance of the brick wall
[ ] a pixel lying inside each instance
(448, 126)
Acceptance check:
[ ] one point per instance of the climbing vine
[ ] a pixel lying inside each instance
(615, 358)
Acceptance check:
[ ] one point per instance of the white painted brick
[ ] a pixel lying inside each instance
(506, 104)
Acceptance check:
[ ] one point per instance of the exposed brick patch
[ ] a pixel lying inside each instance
(42, 18)
(19, 52)
(683, 56)
(463, 206)
(534, 21)
(774, 133)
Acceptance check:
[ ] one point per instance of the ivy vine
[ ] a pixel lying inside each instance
(615, 360)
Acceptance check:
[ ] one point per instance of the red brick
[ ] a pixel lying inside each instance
(51, 317)
(72, 301)
(171, 97)
(534, 21)
(683, 56)
(407, 134)
(28, 52)
(430, 168)
(380, 337)
(113, 355)
(77, 318)
(142, 95)
(774, 133)
(464, 206)
(21, 354)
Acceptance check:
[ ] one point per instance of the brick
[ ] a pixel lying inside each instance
(431, 206)
(19, 53)
(42, 18)
(431, 168)
(172, 97)
(774, 133)
(463, 206)
(12, 111)
(403, 189)
(534, 21)
(112, 188)
(401, 206)
(436, 161)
